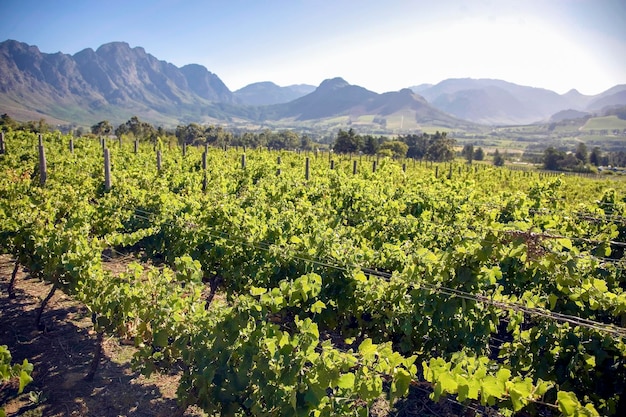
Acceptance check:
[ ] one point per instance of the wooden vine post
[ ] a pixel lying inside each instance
(278, 162)
(43, 166)
(107, 170)
(159, 160)
(72, 145)
(353, 167)
(307, 169)
(204, 177)
(243, 161)
(2, 151)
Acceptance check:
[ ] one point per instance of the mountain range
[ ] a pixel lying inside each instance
(116, 82)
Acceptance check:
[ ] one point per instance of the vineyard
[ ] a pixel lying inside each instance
(342, 279)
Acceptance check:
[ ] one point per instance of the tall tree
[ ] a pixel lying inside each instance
(371, 144)
(139, 129)
(552, 158)
(498, 159)
(479, 154)
(581, 153)
(468, 153)
(397, 148)
(440, 147)
(7, 122)
(192, 134)
(102, 128)
(418, 145)
(347, 142)
(217, 136)
(596, 156)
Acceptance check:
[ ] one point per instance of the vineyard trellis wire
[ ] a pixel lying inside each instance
(484, 299)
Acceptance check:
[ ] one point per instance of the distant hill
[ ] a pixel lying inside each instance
(333, 97)
(615, 96)
(568, 115)
(336, 97)
(496, 102)
(116, 81)
(266, 93)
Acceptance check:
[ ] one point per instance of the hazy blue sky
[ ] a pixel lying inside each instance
(384, 45)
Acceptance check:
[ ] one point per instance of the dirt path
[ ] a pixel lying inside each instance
(61, 355)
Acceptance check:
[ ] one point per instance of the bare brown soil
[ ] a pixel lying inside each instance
(61, 355)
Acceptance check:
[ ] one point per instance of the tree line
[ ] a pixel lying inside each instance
(433, 147)
(581, 160)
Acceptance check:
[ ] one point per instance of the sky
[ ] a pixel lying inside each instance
(383, 45)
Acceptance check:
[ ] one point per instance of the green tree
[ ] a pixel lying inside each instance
(139, 129)
(6, 122)
(371, 144)
(398, 148)
(347, 142)
(440, 147)
(596, 156)
(418, 145)
(102, 128)
(39, 126)
(468, 153)
(581, 153)
(479, 154)
(217, 136)
(192, 134)
(306, 143)
(498, 159)
(552, 158)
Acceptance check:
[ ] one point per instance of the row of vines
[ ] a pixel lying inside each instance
(490, 287)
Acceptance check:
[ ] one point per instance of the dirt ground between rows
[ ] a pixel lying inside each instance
(62, 353)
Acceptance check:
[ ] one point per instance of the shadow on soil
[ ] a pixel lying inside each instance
(61, 355)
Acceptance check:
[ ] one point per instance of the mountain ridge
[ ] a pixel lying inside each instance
(492, 101)
(117, 81)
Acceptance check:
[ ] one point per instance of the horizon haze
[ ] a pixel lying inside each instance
(558, 45)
